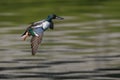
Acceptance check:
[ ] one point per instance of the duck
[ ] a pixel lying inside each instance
(37, 29)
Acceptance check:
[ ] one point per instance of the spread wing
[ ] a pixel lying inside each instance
(35, 42)
(32, 25)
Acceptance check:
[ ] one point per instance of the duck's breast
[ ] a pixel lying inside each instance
(46, 25)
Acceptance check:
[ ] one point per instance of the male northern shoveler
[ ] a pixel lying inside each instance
(36, 30)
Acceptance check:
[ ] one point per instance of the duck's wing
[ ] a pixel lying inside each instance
(32, 25)
(38, 22)
(35, 42)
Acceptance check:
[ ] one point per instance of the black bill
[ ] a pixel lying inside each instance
(59, 18)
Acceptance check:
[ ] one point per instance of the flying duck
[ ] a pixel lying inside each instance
(37, 29)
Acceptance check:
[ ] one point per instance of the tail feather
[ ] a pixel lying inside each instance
(25, 36)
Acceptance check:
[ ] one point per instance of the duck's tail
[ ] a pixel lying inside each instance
(24, 36)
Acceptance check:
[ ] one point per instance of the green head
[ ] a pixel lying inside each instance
(53, 16)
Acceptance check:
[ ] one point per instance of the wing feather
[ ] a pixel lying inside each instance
(35, 42)
(32, 25)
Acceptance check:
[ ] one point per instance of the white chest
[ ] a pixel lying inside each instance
(45, 25)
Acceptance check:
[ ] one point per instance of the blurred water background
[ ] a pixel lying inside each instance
(85, 46)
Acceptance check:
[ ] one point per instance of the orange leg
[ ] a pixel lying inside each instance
(25, 36)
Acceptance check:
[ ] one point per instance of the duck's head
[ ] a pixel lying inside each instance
(53, 16)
